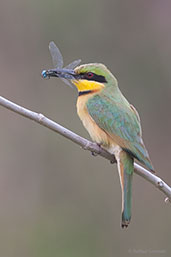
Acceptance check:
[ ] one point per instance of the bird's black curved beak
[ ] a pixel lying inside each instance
(59, 73)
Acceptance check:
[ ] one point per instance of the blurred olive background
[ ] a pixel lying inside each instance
(55, 199)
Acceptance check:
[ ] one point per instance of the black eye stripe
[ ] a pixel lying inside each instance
(95, 77)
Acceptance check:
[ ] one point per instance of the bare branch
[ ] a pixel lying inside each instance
(84, 143)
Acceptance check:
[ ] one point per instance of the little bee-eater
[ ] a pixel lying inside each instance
(111, 121)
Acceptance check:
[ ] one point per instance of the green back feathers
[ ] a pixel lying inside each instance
(117, 118)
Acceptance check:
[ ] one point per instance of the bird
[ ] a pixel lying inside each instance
(111, 121)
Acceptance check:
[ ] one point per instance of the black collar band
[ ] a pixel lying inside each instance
(84, 92)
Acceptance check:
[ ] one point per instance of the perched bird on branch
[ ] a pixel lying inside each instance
(111, 121)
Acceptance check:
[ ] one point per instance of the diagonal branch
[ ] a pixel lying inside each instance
(84, 143)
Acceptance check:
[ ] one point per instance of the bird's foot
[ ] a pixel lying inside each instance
(95, 154)
(113, 161)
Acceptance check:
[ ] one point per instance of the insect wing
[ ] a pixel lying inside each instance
(58, 63)
(67, 82)
(73, 64)
(57, 58)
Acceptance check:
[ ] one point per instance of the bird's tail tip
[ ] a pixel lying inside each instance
(125, 221)
(124, 225)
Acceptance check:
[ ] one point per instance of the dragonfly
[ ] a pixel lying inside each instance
(58, 63)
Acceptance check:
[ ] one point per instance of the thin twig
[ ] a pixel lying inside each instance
(84, 143)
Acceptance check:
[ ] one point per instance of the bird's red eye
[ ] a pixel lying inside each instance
(89, 75)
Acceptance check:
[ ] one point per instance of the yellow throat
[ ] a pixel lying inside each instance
(87, 85)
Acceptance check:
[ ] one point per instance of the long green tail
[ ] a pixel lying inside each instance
(126, 168)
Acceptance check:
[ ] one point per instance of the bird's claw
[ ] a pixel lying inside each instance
(94, 154)
(112, 161)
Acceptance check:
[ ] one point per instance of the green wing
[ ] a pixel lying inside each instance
(118, 118)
